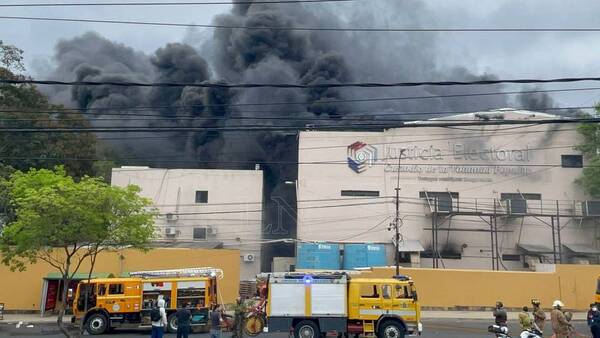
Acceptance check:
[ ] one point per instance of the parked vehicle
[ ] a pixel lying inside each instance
(127, 302)
(312, 305)
(499, 331)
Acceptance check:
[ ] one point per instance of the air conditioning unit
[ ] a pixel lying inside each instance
(171, 217)
(517, 207)
(590, 208)
(249, 257)
(211, 230)
(170, 231)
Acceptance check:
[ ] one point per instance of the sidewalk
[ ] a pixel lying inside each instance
(36, 319)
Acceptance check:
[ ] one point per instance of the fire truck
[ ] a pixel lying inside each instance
(127, 302)
(312, 305)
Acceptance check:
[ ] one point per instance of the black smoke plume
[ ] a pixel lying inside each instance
(265, 56)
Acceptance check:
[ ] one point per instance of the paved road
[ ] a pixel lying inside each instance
(446, 328)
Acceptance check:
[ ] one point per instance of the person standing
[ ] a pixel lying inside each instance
(238, 318)
(525, 319)
(594, 320)
(184, 318)
(158, 317)
(539, 316)
(215, 322)
(560, 324)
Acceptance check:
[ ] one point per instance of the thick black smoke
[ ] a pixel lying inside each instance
(267, 56)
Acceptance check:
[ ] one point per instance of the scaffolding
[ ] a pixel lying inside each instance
(489, 210)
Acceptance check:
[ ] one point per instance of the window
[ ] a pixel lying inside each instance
(101, 290)
(201, 196)
(442, 199)
(571, 161)
(361, 193)
(199, 233)
(438, 194)
(369, 291)
(401, 291)
(115, 289)
(520, 196)
(511, 257)
(386, 291)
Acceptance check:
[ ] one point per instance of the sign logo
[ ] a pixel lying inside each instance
(361, 156)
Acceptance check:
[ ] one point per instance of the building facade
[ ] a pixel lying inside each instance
(204, 208)
(499, 196)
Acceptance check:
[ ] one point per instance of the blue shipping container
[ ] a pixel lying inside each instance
(322, 256)
(363, 256)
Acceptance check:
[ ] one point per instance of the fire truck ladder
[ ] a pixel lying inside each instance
(186, 272)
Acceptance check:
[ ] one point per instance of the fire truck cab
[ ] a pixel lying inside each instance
(312, 305)
(127, 302)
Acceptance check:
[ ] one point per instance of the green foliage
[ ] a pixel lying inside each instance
(24, 106)
(590, 148)
(62, 221)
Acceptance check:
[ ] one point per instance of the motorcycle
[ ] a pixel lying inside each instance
(531, 333)
(499, 331)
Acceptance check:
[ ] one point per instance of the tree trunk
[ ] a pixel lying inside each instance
(63, 306)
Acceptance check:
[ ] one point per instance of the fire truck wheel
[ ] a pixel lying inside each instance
(172, 323)
(391, 329)
(96, 324)
(307, 329)
(254, 325)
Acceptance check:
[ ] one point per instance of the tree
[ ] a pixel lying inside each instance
(24, 106)
(590, 148)
(63, 222)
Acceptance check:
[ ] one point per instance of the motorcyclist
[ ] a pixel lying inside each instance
(500, 314)
(525, 319)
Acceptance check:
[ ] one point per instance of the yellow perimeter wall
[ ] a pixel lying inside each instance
(23, 290)
(575, 285)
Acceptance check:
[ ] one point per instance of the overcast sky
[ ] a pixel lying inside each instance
(508, 55)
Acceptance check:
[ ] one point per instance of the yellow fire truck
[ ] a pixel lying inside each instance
(127, 302)
(312, 305)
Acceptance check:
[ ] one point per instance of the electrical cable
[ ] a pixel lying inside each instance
(296, 86)
(401, 98)
(313, 29)
(157, 3)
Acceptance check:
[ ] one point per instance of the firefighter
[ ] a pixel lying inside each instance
(238, 318)
(539, 316)
(560, 324)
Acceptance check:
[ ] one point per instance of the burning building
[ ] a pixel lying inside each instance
(501, 195)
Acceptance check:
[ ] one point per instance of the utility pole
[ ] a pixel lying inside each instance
(397, 220)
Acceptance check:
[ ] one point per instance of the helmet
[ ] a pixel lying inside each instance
(557, 303)
(499, 304)
(535, 301)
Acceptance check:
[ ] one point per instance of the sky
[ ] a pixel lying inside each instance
(508, 55)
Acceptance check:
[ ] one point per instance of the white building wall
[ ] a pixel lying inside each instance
(499, 159)
(233, 210)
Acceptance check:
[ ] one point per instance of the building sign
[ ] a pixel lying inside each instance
(361, 156)
(458, 152)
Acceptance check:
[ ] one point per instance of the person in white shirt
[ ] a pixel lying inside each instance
(158, 326)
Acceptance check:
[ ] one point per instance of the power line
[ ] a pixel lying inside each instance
(311, 29)
(295, 86)
(258, 128)
(171, 160)
(154, 3)
(401, 98)
(367, 117)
